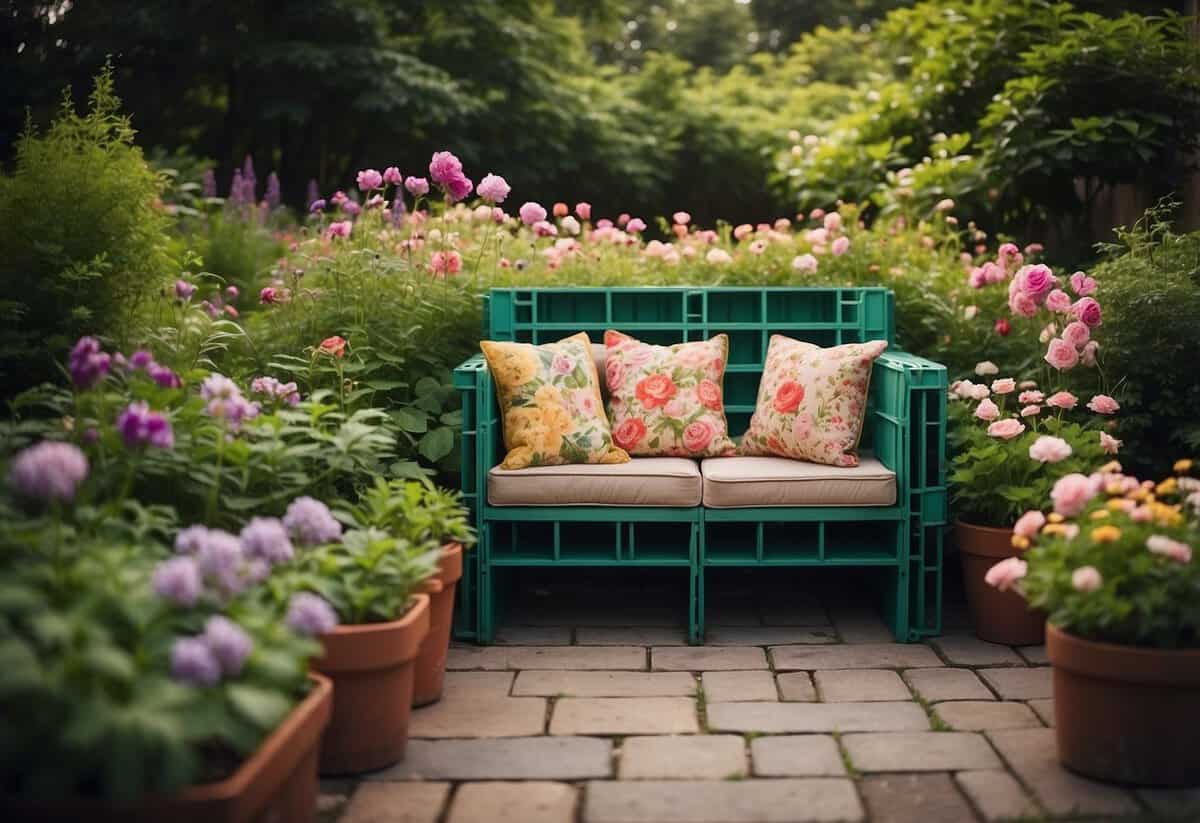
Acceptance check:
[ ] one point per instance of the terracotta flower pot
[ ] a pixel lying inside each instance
(431, 665)
(1121, 712)
(278, 782)
(371, 666)
(998, 617)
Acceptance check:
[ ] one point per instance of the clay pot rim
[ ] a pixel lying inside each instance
(989, 533)
(410, 616)
(450, 567)
(1175, 668)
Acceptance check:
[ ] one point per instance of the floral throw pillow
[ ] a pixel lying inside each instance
(667, 400)
(812, 401)
(550, 401)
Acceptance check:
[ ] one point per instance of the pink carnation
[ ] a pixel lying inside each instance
(1029, 524)
(987, 411)
(340, 228)
(1032, 410)
(1006, 429)
(1048, 449)
(1031, 396)
(1005, 574)
(635, 226)
(1062, 400)
(392, 176)
(1103, 404)
(833, 222)
(1005, 385)
(1071, 494)
(532, 213)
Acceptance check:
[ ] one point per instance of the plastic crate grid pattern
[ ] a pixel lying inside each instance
(906, 428)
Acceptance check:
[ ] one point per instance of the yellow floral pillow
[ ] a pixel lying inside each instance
(550, 402)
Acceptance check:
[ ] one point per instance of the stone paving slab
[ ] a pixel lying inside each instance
(980, 715)
(468, 716)
(546, 657)
(528, 802)
(1034, 655)
(1044, 707)
(861, 656)
(802, 755)
(816, 717)
(477, 685)
(997, 794)
(1020, 684)
(968, 650)
(604, 684)
(726, 801)
(804, 613)
(914, 798)
(533, 636)
(396, 803)
(706, 658)
(1032, 754)
(767, 636)
(688, 757)
(861, 627)
(514, 758)
(1177, 802)
(796, 686)
(631, 636)
(624, 715)
(860, 685)
(735, 685)
(934, 685)
(919, 752)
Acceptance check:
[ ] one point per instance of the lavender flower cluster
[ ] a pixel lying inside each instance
(140, 426)
(275, 391)
(89, 364)
(226, 402)
(48, 472)
(220, 652)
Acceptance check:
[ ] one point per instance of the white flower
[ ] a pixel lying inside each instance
(986, 368)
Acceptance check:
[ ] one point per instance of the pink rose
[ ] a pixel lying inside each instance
(1005, 574)
(1103, 404)
(1172, 549)
(1005, 385)
(840, 246)
(1082, 285)
(614, 373)
(639, 355)
(1087, 355)
(1086, 579)
(1048, 449)
(562, 364)
(1087, 310)
(975, 279)
(1029, 524)
(629, 433)
(802, 427)
(532, 213)
(1062, 400)
(585, 401)
(1021, 304)
(1006, 429)
(1077, 334)
(1110, 444)
(987, 411)
(1071, 494)
(1058, 300)
(709, 394)
(1032, 410)
(1031, 396)
(1062, 355)
(1038, 281)
(696, 435)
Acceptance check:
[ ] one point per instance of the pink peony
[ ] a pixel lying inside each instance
(444, 167)
(1087, 355)
(1071, 494)
(681, 218)
(1086, 579)
(743, 231)
(1103, 404)
(1076, 333)
(1062, 400)
(493, 188)
(1059, 301)
(1031, 396)
(805, 264)
(1032, 410)
(1110, 444)
(532, 213)
(635, 226)
(1082, 285)
(417, 186)
(833, 222)
(1088, 310)
(544, 228)
(987, 411)
(1048, 449)
(1172, 549)
(583, 211)
(1005, 574)
(1005, 385)
(1029, 524)
(1062, 355)
(1006, 429)
(341, 228)
(369, 180)
(457, 188)
(392, 176)
(840, 246)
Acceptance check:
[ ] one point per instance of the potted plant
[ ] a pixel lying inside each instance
(419, 512)
(1013, 439)
(369, 581)
(1112, 565)
(138, 684)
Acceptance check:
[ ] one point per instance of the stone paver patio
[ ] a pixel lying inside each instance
(795, 711)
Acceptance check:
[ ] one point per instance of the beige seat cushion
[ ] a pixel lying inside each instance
(740, 482)
(643, 481)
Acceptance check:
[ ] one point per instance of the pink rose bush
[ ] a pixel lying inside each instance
(1111, 558)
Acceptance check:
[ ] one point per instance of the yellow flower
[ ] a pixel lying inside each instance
(1167, 487)
(1111, 467)
(1114, 488)
(1106, 534)
(547, 396)
(1055, 517)
(1020, 542)
(512, 364)
(518, 458)
(1101, 514)
(1166, 515)
(1182, 466)
(1055, 528)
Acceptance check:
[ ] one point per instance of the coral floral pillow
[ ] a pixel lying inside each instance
(812, 401)
(550, 401)
(666, 400)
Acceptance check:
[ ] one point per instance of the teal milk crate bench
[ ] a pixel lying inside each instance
(892, 524)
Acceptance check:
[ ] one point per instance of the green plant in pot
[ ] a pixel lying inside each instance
(1112, 565)
(372, 579)
(418, 511)
(1013, 440)
(140, 683)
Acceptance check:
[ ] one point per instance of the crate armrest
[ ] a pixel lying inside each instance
(468, 372)
(909, 410)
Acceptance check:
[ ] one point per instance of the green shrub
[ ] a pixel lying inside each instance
(84, 242)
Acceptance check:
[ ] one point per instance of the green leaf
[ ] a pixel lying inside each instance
(262, 707)
(436, 444)
(410, 419)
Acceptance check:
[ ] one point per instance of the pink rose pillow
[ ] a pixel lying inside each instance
(812, 401)
(667, 400)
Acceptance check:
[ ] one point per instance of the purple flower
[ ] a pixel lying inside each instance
(275, 391)
(236, 190)
(229, 644)
(193, 662)
(139, 426)
(208, 183)
(392, 176)
(184, 290)
(178, 580)
(351, 208)
(141, 359)
(220, 559)
(310, 522)
(369, 180)
(317, 205)
(88, 364)
(189, 540)
(249, 181)
(444, 167)
(493, 188)
(416, 186)
(457, 188)
(266, 538)
(225, 401)
(310, 615)
(49, 472)
(272, 196)
(163, 376)
(232, 293)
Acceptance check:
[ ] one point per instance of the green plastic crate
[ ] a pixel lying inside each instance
(905, 428)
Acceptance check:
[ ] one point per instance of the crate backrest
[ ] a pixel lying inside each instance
(665, 315)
